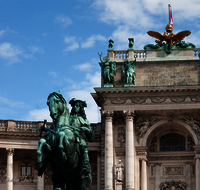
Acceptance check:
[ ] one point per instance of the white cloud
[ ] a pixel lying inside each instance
(35, 49)
(73, 43)
(2, 32)
(39, 115)
(83, 67)
(10, 52)
(44, 34)
(95, 80)
(194, 38)
(11, 103)
(89, 42)
(64, 20)
(53, 74)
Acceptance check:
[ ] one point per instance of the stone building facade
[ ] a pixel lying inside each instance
(153, 127)
(149, 133)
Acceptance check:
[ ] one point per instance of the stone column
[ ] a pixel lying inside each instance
(130, 161)
(137, 172)
(143, 174)
(197, 170)
(40, 183)
(10, 153)
(188, 175)
(157, 177)
(98, 171)
(108, 150)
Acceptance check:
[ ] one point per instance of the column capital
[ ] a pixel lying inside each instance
(107, 114)
(197, 157)
(10, 151)
(143, 159)
(129, 114)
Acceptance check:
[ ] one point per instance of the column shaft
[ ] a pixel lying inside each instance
(40, 183)
(10, 153)
(108, 154)
(98, 172)
(197, 173)
(157, 180)
(130, 161)
(144, 175)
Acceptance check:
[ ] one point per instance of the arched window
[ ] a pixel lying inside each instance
(172, 142)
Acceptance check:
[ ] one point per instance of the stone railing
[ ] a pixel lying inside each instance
(34, 126)
(121, 55)
(196, 52)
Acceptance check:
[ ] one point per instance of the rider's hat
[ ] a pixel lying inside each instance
(73, 101)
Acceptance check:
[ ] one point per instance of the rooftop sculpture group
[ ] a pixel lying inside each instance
(169, 39)
(64, 145)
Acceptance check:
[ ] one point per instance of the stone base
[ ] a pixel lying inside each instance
(128, 85)
(119, 185)
(176, 54)
(108, 85)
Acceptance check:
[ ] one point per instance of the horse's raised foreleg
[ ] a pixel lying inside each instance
(39, 150)
(61, 136)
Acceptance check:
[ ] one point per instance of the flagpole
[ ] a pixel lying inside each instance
(169, 12)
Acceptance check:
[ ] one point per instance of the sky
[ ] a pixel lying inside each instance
(53, 45)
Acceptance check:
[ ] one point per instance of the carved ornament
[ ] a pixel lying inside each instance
(3, 171)
(121, 136)
(173, 170)
(173, 185)
(153, 100)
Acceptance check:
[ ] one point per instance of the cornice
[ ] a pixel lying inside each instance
(148, 89)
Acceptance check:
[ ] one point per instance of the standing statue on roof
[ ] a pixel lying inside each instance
(78, 120)
(129, 71)
(108, 69)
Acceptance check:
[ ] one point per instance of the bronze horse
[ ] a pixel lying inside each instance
(61, 150)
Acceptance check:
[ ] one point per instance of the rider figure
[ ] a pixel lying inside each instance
(78, 120)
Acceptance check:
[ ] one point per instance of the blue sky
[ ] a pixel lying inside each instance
(50, 45)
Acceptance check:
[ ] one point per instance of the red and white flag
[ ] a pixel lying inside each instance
(170, 16)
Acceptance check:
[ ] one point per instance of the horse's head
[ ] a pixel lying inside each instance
(57, 106)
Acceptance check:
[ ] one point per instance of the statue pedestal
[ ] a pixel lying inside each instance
(108, 85)
(119, 185)
(128, 85)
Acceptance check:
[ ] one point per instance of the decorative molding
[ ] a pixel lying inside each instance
(141, 153)
(171, 158)
(173, 170)
(120, 154)
(154, 100)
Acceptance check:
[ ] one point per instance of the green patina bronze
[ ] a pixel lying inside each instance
(129, 71)
(108, 69)
(111, 44)
(64, 145)
(131, 43)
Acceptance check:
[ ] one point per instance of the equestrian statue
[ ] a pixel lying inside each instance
(64, 145)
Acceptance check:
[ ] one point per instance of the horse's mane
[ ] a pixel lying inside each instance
(65, 114)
